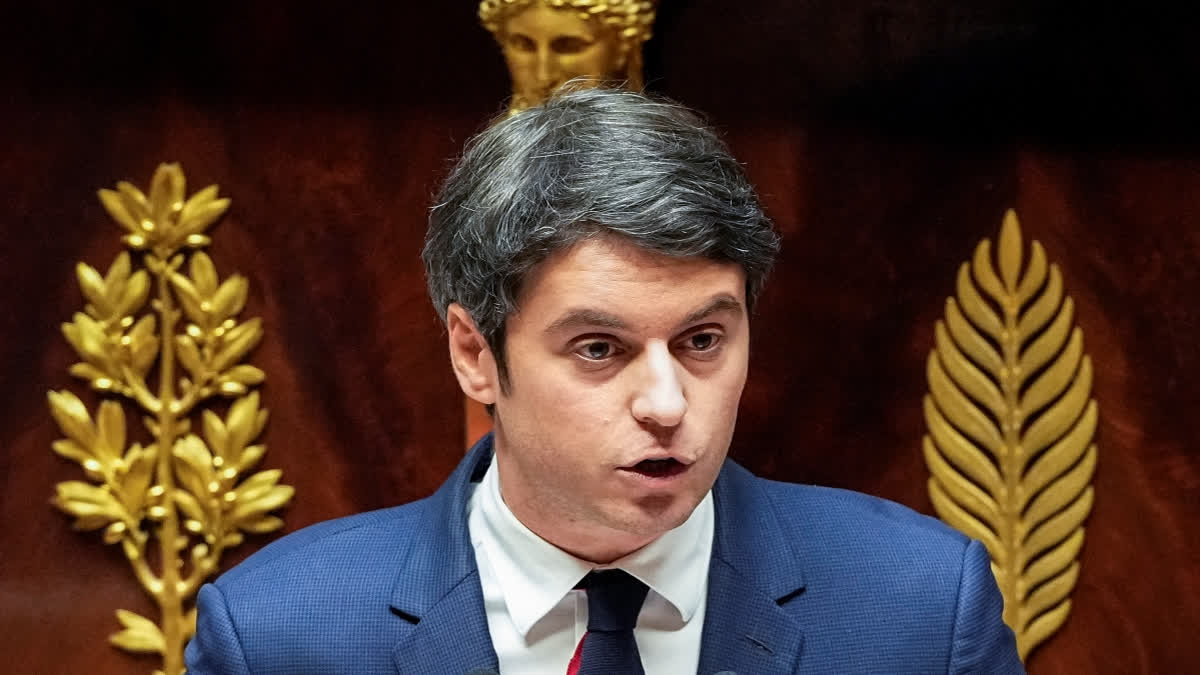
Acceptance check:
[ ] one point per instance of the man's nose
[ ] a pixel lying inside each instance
(659, 397)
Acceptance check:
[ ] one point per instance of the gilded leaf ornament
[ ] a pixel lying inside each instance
(176, 503)
(1011, 422)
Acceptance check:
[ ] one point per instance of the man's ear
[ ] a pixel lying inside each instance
(473, 362)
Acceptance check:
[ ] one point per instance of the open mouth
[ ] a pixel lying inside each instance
(658, 468)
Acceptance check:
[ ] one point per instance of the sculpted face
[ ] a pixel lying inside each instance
(545, 47)
(626, 368)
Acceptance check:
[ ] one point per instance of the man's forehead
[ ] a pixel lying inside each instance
(618, 257)
(607, 281)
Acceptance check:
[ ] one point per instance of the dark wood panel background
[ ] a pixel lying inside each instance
(887, 138)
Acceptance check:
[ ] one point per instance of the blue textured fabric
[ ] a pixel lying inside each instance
(614, 601)
(802, 580)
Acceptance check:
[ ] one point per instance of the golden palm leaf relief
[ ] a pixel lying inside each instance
(1011, 423)
(193, 495)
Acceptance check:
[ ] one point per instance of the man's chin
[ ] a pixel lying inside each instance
(658, 514)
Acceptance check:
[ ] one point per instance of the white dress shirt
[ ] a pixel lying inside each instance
(536, 617)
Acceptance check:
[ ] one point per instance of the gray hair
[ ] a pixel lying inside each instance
(587, 162)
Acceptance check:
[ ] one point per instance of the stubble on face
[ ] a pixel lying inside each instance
(616, 356)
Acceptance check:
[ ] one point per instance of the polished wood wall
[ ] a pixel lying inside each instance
(886, 137)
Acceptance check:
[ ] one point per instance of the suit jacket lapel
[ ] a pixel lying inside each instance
(754, 570)
(438, 587)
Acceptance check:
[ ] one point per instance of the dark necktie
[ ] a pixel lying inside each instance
(614, 601)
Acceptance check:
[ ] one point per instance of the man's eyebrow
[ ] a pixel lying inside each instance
(721, 303)
(594, 318)
(580, 318)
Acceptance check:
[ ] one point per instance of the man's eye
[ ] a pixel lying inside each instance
(703, 342)
(596, 350)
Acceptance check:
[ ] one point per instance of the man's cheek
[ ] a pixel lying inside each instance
(573, 401)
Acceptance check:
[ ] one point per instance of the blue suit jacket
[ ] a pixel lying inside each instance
(802, 580)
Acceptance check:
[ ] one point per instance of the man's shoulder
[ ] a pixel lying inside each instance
(838, 529)
(884, 588)
(332, 547)
(861, 555)
(813, 506)
(318, 595)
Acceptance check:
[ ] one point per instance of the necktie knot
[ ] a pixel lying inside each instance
(614, 602)
(615, 599)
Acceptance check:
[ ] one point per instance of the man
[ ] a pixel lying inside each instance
(596, 260)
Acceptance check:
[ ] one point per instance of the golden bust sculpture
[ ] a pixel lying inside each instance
(547, 42)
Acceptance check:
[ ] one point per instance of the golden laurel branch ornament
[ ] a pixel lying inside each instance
(181, 492)
(1011, 423)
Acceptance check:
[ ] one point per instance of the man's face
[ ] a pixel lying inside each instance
(626, 368)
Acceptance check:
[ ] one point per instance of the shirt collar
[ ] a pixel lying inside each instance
(536, 574)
